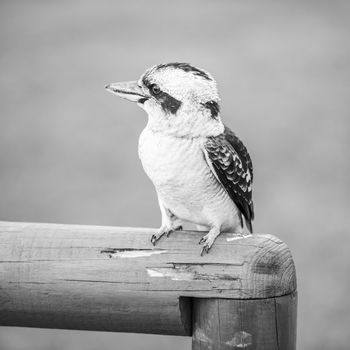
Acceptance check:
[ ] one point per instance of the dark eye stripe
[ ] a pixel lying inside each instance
(169, 103)
(213, 107)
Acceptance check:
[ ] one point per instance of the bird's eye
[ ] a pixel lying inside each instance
(155, 89)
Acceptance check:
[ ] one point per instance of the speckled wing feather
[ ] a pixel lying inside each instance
(229, 159)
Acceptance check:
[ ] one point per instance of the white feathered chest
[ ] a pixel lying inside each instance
(170, 161)
(182, 177)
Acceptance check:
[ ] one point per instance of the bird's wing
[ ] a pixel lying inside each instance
(230, 162)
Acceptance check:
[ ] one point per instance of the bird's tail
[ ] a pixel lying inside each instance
(249, 225)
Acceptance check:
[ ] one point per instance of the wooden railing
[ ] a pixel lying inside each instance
(240, 295)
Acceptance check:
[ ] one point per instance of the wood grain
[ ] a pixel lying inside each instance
(256, 324)
(112, 278)
(286, 321)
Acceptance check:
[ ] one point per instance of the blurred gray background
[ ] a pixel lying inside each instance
(68, 149)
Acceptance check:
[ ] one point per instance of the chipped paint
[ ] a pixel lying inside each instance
(237, 236)
(174, 274)
(154, 273)
(199, 336)
(135, 253)
(241, 340)
(193, 272)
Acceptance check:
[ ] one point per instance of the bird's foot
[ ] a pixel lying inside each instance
(164, 231)
(208, 241)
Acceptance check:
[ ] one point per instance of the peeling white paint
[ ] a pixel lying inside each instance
(174, 274)
(241, 340)
(154, 273)
(200, 336)
(135, 253)
(237, 236)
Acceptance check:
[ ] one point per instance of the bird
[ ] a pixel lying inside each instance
(201, 171)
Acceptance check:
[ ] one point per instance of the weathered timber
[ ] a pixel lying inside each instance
(256, 324)
(113, 279)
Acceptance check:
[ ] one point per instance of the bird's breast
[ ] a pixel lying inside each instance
(170, 160)
(183, 179)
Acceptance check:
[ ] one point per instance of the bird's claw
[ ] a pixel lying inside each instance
(202, 240)
(169, 233)
(205, 249)
(157, 236)
(160, 234)
(154, 239)
(208, 241)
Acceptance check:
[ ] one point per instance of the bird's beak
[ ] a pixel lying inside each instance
(128, 90)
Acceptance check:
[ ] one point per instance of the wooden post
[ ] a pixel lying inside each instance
(240, 295)
(264, 324)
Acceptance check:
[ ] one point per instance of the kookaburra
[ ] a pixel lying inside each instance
(201, 170)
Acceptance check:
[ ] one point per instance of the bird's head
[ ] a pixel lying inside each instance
(180, 99)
